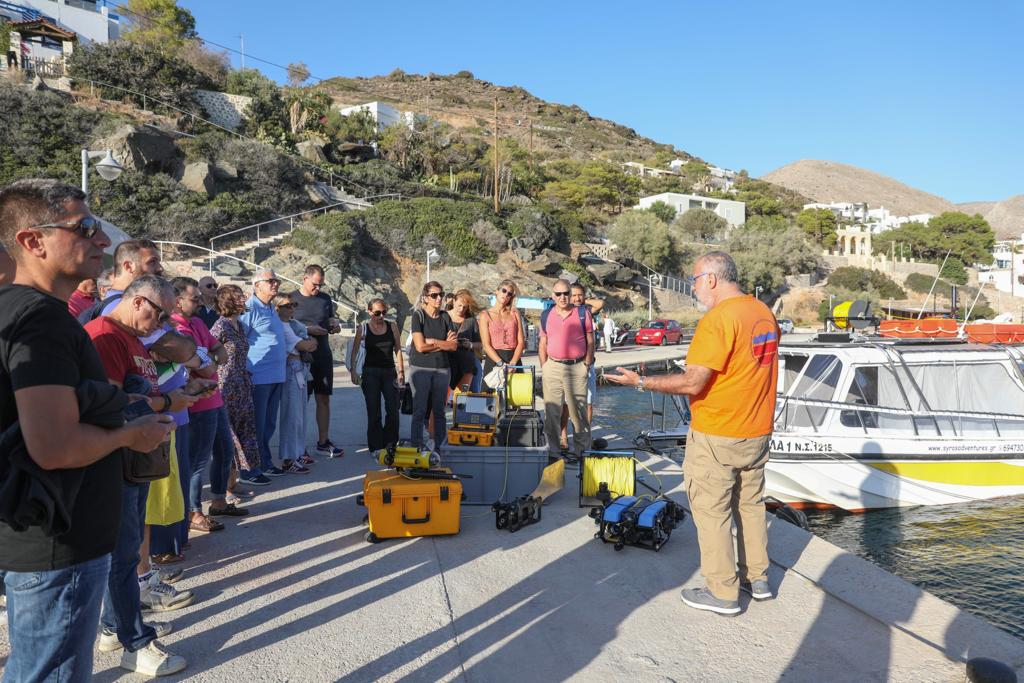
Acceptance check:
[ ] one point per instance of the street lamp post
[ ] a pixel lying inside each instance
(107, 167)
(431, 255)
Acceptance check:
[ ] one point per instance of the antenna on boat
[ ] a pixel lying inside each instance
(934, 282)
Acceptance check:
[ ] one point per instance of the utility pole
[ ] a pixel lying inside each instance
(495, 155)
(531, 145)
(241, 38)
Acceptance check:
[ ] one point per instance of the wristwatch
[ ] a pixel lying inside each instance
(640, 384)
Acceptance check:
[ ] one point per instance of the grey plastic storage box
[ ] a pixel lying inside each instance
(486, 466)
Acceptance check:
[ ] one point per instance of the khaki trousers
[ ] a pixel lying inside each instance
(725, 484)
(566, 383)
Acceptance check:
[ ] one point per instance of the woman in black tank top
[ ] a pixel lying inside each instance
(380, 375)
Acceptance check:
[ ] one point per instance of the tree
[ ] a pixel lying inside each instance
(663, 211)
(700, 225)
(644, 237)
(298, 73)
(266, 118)
(855, 279)
(595, 184)
(967, 238)
(767, 224)
(819, 225)
(158, 24)
(765, 258)
(359, 126)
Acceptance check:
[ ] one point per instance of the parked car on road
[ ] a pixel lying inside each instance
(786, 325)
(660, 332)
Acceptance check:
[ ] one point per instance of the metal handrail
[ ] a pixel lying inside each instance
(291, 218)
(161, 243)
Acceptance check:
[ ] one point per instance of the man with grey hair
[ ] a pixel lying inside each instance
(566, 353)
(267, 356)
(144, 307)
(54, 582)
(731, 373)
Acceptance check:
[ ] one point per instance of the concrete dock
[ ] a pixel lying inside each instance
(293, 592)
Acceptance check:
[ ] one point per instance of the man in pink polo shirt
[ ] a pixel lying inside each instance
(566, 353)
(209, 429)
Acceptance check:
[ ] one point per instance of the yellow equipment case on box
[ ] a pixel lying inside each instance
(474, 418)
(412, 504)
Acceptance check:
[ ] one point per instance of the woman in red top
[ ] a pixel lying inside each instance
(501, 328)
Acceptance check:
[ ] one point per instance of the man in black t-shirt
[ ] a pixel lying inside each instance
(316, 311)
(54, 584)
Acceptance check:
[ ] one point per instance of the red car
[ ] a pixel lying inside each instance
(660, 332)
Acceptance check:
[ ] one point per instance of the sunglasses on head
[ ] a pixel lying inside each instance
(87, 227)
(435, 295)
(561, 293)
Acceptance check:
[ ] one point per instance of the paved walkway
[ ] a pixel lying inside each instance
(293, 592)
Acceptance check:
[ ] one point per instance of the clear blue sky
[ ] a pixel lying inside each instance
(930, 93)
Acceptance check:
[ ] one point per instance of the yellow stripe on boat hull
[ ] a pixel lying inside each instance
(961, 473)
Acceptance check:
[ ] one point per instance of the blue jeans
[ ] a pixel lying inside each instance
(266, 398)
(429, 394)
(223, 455)
(51, 621)
(202, 428)
(478, 376)
(171, 539)
(122, 611)
(291, 442)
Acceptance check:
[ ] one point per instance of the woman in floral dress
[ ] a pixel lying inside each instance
(235, 382)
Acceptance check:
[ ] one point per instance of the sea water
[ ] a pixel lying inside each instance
(971, 555)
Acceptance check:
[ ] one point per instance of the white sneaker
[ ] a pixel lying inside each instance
(157, 596)
(110, 643)
(153, 660)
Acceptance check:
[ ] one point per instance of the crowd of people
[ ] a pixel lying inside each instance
(201, 376)
(158, 381)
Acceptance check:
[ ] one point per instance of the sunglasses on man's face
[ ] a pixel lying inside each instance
(87, 227)
(210, 285)
(271, 281)
(561, 293)
(435, 295)
(280, 306)
(378, 314)
(164, 315)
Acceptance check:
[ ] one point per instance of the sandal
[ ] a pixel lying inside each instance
(229, 510)
(205, 524)
(166, 558)
(241, 493)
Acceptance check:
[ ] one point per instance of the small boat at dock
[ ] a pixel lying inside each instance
(866, 421)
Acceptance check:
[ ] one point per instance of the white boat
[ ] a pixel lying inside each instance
(875, 423)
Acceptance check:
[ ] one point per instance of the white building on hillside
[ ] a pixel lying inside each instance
(384, 114)
(734, 213)
(1006, 272)
(44, 31)
(636, 168)
(878, 220)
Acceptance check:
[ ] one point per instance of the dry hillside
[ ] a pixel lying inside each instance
(468, 104)
(828, 181)
(1007, 217)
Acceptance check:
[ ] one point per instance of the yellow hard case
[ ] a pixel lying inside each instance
(401, 506)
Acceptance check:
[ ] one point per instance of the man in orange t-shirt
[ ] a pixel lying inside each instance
(731, 372)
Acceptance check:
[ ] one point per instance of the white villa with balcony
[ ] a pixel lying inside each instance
(384, 114)
(878, 220)
(733, 212)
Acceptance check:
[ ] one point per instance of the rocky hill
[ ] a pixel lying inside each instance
(828, 181)
(468, 104)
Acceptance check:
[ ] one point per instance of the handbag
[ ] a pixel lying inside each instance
(355, 362)
(166, 501)
(407, 399)
(139, 468)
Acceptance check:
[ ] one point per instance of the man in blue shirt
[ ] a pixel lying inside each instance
(267, 357)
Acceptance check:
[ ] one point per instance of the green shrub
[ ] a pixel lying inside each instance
(332, 234)
(954, 271)
(922, 284)
(140, 69)
(580, 271)
(663, 211)
(864, 279)
(42, 135)
(412, 226)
